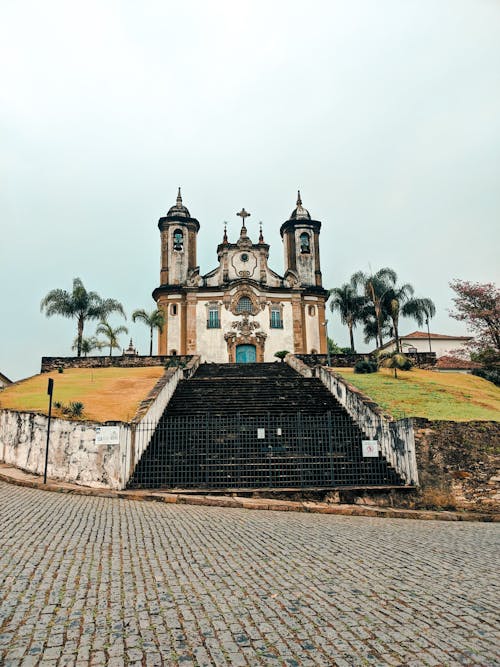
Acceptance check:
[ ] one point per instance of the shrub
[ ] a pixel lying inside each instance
(76, 408)
(60, 369)
(365, 366)
(490, 374)
(281, 354)
(58, 404)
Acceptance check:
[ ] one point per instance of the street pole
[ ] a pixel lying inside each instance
(50, 389)
(428, 333)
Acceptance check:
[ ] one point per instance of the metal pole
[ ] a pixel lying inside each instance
(50, 389)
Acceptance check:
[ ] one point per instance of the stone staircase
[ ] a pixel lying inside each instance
(256, 426)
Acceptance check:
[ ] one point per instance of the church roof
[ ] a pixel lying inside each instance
(178, 209)
(300, 213)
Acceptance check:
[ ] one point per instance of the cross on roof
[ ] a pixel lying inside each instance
(243, 214)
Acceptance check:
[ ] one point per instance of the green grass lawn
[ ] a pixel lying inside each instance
(419, 393)
(107, 393)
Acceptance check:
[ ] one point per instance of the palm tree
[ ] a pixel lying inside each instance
(111, 334)
(350, 306)
(376, 287)
(400, 301)
(154, 320)
(88, 344)
(394, 360)
(81, 305)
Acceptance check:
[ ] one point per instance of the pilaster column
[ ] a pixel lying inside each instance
(191, 323)
(323, 349)
(162, 304)
(298, 325)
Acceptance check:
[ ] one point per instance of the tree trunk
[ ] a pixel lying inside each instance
(351, 336)
(396, 335)
(80, 335)
(151, 342)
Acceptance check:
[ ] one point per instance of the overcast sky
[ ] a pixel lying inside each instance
(385, 113)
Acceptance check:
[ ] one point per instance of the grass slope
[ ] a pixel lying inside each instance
(419, 393)
(107, 393)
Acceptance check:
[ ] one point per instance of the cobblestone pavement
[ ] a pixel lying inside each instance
(99, 581)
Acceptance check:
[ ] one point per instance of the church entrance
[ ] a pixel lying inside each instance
(246, 354)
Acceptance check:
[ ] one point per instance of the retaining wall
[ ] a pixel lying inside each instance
(395, 437)
(54, 363)
(74, 455)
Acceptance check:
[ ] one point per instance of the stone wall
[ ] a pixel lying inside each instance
(458, 463)
(54, 363)
(74, 455)
(395, 437)
(419, 359)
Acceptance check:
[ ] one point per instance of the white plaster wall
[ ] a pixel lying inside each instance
(73, 454)
(312, 327)
(174, 327)
(440, 347)
(211, 345)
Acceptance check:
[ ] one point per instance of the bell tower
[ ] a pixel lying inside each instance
(300, 236)
(179, 232)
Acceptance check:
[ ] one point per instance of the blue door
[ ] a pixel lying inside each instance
(246, 354)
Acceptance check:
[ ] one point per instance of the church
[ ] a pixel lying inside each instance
(242, 311)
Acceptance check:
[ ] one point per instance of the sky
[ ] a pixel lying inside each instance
(385, 113)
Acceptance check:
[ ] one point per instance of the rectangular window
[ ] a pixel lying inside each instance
(213, 321)
(276, 321)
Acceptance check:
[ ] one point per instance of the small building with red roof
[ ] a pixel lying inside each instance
(422, 341)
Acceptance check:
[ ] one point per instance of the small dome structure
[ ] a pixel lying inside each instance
(178, 209)
(300, 213)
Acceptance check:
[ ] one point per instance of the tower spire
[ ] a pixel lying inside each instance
(179, 198)
(299, 200)
(224, 238)
(261, 236)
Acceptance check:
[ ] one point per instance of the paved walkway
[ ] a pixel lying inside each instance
(100, 581)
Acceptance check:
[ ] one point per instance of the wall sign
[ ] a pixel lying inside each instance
(261, 434)
(370, 448)
(107, 435)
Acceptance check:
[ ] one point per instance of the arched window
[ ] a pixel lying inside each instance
(173, 353)
(312, 311)
(173, 309)
(244, 305)
(276, 321)
(178, 239)
(305, 243)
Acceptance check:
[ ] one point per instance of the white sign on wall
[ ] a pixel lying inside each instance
(370, 448)
(261, 433)
(107, 435)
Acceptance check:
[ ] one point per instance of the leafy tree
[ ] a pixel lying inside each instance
(281, 354)
(154, 320)
(111, 334)
(349, 304)
(375, 287)
(478, 305)
(81, 305)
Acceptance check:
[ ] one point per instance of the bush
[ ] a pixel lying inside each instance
(365, 366)
(76, 408)
(281, 354)
(490, 374)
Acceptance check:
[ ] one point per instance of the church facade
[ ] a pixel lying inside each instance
(241, 311)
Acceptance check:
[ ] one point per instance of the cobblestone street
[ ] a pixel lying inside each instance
(99, 581)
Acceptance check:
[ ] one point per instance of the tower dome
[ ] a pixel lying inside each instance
(300, 213)
(178, 209)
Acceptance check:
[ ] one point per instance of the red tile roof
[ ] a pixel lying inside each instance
(455, 363)
(433, 336)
